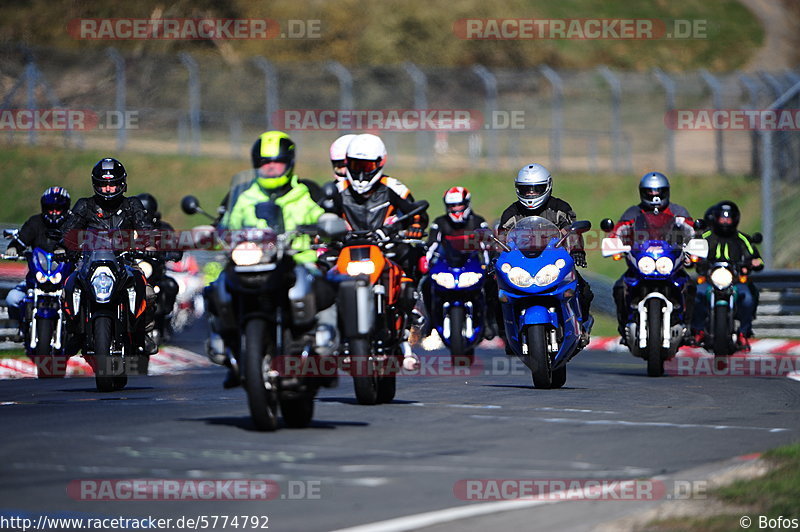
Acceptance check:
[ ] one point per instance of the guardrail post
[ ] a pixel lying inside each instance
(616, 114)
(716, 95)
(490, 87)
(120, 95)
(194, 99)
(270, 90)
(556, 113)
(669, 89)
(420, 81)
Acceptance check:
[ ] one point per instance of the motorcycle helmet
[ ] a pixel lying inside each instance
(533, 185)
(366, 155)
(109, 180)
(457, 204)
(273, 147)
(55, 203)
(654, 191)
(338, 153)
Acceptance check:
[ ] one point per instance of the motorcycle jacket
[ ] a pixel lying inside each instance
(34, 233)
(443, 227)
(127, 215)
(554, 209)
(735, 248)
(388, 198)
(296, 204)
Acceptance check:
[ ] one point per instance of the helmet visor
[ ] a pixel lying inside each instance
(361, 169)
(652, 193)
(456, 207)
(531, 191)
(339, 167)
(272, 168)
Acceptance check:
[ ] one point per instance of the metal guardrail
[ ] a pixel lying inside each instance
(778, 312)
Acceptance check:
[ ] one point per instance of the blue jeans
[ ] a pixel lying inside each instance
(745, 308)
(14, 301)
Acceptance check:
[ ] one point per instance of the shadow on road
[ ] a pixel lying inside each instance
(353, 401)
(246, 423)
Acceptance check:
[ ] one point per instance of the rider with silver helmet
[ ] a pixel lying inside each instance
(534, 187)
(654, 199)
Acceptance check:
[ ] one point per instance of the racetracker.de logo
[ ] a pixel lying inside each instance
(549, 489)
(66, 120)
(379, 119)
(733, 119)
(177, 29)
(154, 489)
(500, 29)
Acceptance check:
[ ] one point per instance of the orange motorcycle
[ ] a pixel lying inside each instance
(373, 308)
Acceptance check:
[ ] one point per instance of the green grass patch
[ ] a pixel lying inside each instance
(13, 353)
(773, 495)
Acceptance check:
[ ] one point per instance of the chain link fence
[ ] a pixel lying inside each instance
(582, 121)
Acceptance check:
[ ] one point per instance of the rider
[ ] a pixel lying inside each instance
(166, 284)
(367, 199)
(534, 186)
(460, 220)
(39, 231)
(726, 242)
(654, 196)
(338, 154)
(275, 180)
(109, 209)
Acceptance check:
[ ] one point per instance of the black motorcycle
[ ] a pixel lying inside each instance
(105, 300)
(266, 308)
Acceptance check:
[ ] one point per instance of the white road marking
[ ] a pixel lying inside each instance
(427, 519)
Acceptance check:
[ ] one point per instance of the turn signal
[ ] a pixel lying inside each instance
(701, 280)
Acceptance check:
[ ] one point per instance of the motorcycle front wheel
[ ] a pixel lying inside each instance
(365, 375)
(109, 372)
(655, 364)
(541, 371)
(262, 401)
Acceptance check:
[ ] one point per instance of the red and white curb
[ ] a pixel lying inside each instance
(764, 351)
(168, 360)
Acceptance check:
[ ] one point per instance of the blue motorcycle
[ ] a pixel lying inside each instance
(656, 248)
(43, 325)
(457, 305)
(537, 285)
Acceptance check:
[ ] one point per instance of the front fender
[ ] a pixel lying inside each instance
(537, 315)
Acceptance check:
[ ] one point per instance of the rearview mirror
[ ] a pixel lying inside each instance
(190, 205)
(607, 224)
(757, 238)
(332, 226)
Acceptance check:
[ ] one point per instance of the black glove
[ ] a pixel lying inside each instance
(579, 256)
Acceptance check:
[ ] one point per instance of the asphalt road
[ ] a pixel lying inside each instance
(362, 464)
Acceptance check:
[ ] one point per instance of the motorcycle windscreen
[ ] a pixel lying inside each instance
(664, 227)
(239, 183)
(532, 235)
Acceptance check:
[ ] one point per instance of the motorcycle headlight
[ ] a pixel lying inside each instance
(444, 279)
(647, 265)
(102, 284)
(40, 277)
(468, 279)
(664, 265)
(722, 278)
(55, 279)
(520, 277)
(362, 267)
(246, 254)
(546, 275)
(146, 267)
